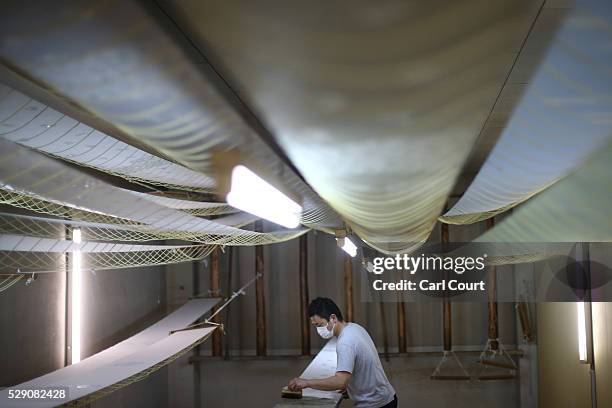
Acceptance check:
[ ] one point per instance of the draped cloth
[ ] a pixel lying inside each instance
(562, 120)
(377, 105)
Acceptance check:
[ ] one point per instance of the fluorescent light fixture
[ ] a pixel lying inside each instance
(582, 331)
(75, 323)
(252, 194)
(347, 246)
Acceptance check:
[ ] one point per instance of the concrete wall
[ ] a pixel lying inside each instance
(33, 326)
(32, 323)
(116, 304)
(120, 303)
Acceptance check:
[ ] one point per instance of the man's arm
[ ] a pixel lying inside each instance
(333, 383)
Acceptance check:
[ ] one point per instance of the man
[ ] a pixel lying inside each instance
(358, 370)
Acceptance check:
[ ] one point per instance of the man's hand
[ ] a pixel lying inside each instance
(297, 384)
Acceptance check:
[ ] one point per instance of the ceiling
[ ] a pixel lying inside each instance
(373, 114)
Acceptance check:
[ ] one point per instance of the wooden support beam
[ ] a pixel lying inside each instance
(215, 291)
(304, 324)
(493, 323)
(446, 304)
(446, 316)
(260, 306)
(383, 322)
(523, 312)
(230, 270)
(401, 327)
(197, 371)
(499, 364)
(348, 288)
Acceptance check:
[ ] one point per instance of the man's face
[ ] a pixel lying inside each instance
(318, 321)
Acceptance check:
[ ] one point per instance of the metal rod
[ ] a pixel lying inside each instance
(260, 306)
(234, 295)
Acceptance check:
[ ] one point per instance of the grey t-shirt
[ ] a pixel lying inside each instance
(368, 386)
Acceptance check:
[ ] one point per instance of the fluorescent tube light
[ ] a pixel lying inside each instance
(75, 321)
(347, 246)
(582, 333)
(252, 194)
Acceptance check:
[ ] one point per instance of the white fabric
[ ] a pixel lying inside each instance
(576, 209)
(25, 170)
(322, 366)
(563, 118)
(33, 124)
(176, 203)
(375, 114)
(122, 360)
(23, 243)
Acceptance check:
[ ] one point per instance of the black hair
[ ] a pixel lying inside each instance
(324, 308)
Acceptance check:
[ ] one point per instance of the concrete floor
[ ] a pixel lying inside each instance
(257, 383)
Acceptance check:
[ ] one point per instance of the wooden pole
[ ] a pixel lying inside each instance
(493, 323)
(448, 344)
(383, 322)
(446, 304)
(401, 327)
(230, 267)
(348, 288)
(260, 307)
(197, 371)
(523, 312)
(215, 292)
(304, 324)
(401, 318)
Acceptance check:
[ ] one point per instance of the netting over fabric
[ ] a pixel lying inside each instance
(82, 402)
(51, 228)
(8, 281)
(25, 243)
(561, 121)
(191, 206)
(125, 362)
(54, 181)
(39, 205)
(12, 262)
(206, 212)
(33, 124)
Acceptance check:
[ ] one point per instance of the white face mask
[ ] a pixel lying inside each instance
(325, 332)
